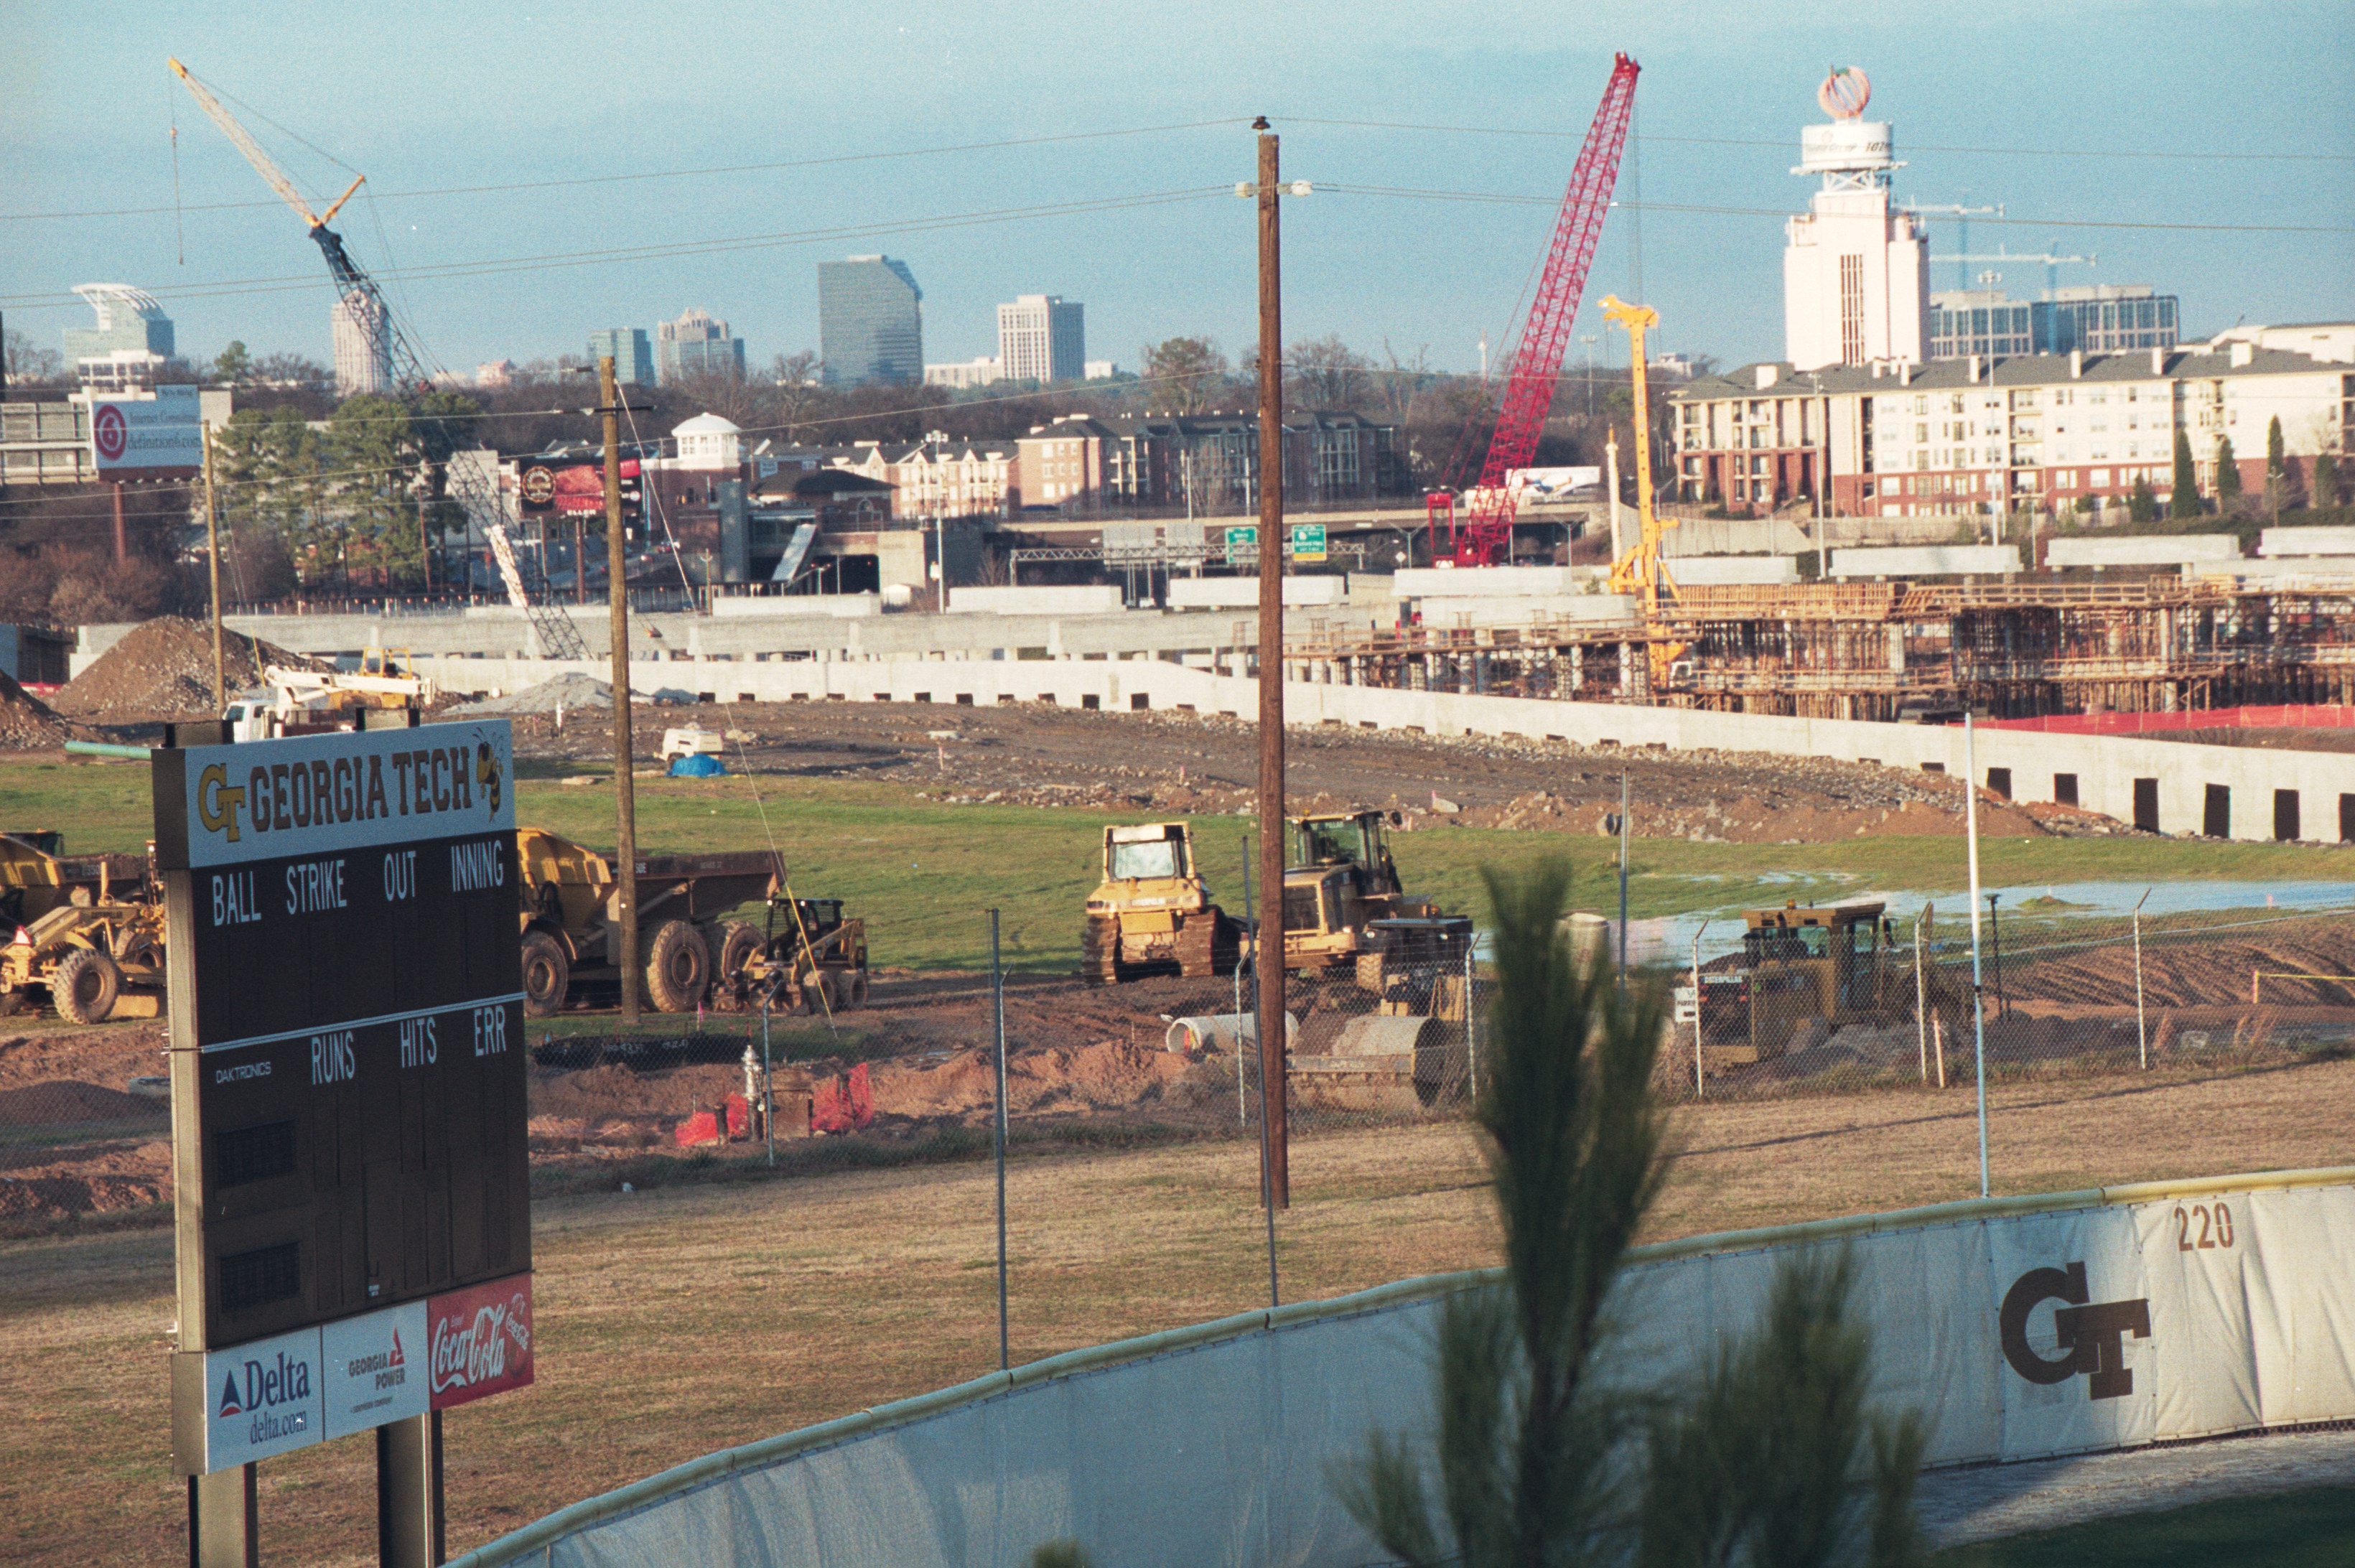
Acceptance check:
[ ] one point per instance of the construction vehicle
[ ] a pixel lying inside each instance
(1800, 968)
(1153, 911)
(389, 351)
(86, 936)
(570, 929)
(1414, 1052)
(1486, 537)
(1640, 570)
(1339, 878)
(381, 693)
(807, 957)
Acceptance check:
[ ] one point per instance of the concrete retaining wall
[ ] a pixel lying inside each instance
(2327, 539)
(2106, 770)
(1067, 599)
(1697, 570)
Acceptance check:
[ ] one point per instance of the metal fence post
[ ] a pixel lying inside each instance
(1700, 1091)
(768, 1083)
(2142, 1033)
(1243, 957)
(997, 1007)
(1922, 989)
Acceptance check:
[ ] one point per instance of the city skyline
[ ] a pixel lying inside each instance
(496, 238)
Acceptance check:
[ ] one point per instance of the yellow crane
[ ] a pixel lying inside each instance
(317, 222)
(1640, 570)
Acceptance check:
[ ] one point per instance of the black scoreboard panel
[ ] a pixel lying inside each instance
(360, 1089)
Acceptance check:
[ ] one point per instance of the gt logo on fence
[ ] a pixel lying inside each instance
(2091, 1335)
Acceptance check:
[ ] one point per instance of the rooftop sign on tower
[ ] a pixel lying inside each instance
(1852, 152)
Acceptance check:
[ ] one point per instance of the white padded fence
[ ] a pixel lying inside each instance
(2020, 1328)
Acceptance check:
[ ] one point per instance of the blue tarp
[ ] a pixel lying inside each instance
(697, 766)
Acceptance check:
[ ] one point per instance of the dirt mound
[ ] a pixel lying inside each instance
(26, 721)
(164, 669)
(39, 1103)
(565, 692)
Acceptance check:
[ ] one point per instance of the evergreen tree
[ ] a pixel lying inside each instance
(2228, 472)
(2276, 468)
(2326, 481)
(2185, 501)
(2142, 503)
(1533, 1464)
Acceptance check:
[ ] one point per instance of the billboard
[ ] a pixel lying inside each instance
(573, 489)
(348, 1076)
(132, 434)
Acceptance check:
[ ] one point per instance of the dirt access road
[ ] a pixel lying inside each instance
(1184, 763)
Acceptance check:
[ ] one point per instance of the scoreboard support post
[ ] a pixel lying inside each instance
(409, 1521)
(224, 1519)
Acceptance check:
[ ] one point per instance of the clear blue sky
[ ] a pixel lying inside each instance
(2029, 105)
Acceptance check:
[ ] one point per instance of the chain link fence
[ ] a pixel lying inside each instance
(907, 1071)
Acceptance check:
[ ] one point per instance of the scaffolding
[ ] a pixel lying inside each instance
(1886, 651)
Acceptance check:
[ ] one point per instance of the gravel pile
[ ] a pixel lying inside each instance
(164, 669)
(565, 692)
(26, 721)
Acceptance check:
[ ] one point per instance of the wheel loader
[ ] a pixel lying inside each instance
(1339, 878)
(1153, 911)
(808, 958)
(86, 933)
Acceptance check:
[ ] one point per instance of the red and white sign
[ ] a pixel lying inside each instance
(479, 1341)
(163, 431)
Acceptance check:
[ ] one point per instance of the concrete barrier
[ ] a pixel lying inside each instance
(1701, 571)
(1063, 599)
(1242, 593)
(2335, 538)
(2230, 791)
(1928, 560)
(2142, 550)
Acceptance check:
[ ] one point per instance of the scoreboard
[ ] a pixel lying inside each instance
(348, 1080)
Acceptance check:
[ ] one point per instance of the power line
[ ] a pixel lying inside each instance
(1411, 192)
(1917, 147)
(494, 266)
(648, 174)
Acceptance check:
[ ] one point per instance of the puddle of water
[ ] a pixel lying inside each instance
(1669, 938)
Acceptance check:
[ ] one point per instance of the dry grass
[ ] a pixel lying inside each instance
(676, 1321)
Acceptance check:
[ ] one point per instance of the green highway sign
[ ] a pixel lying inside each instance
(1242, 546)
(1308, 541)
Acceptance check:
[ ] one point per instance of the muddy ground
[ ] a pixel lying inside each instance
(75, 1139)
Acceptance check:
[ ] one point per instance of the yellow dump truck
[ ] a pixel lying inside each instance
(569, 926)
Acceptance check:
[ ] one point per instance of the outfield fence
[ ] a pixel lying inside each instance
(2017, 1328)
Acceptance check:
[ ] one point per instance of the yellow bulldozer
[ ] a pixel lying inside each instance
(1798, 967)
(86, 933)
(1152, 911)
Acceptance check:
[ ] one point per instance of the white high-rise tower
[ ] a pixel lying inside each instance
(1856, 274)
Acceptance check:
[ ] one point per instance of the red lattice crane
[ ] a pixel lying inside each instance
(1484, 536)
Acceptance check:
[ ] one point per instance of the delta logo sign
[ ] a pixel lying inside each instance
(276, 1393)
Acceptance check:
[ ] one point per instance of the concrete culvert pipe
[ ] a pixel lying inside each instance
(1223, 1031)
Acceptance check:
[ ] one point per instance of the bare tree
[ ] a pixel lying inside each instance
(1184, 375)
(30, 365)
(1326, 373)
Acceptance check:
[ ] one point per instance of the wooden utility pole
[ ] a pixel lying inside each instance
(1274, 1039)
(212, 556)
(617, 593)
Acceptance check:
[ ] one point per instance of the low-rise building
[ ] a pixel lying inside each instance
(2033, 432)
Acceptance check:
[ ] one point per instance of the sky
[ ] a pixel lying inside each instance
(538, 171)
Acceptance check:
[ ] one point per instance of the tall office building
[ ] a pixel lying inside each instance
(1856, 272)
(634, 355)
(363, 346)
(871, 321)
(696, 345)
(1040, 337)
(128, 346)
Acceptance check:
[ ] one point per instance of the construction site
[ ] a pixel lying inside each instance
(1889, 651)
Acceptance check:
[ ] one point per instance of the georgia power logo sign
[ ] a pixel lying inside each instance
(2089, 1334)
(109, 432)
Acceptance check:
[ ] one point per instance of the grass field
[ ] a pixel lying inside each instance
(924, 874)
(730, 1306)
(2302, 1530)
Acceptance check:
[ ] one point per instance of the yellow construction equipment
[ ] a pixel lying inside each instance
(1153, 909)
(89, 934)
(1339, 878)
(1641, 571)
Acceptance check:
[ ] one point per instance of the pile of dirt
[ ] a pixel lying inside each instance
(164, 669)
(26, 721)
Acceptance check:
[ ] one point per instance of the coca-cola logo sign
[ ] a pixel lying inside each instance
(479, 1341)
